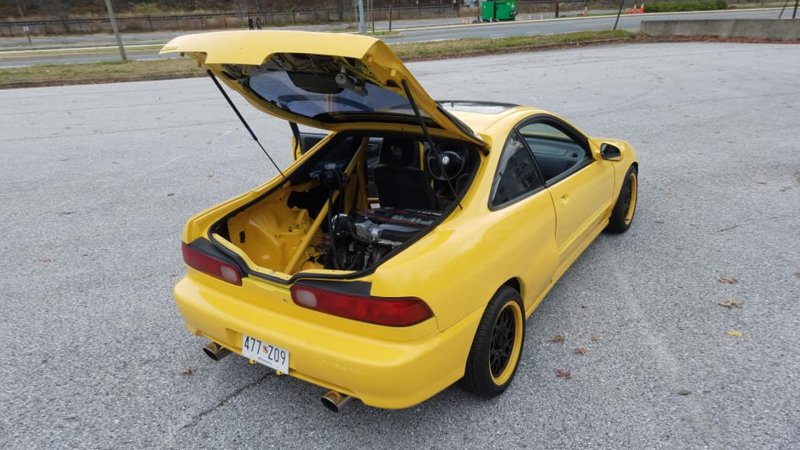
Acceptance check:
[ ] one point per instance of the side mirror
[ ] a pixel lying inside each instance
(610, 152)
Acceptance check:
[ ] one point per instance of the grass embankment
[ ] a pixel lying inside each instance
(484, 46)
(101, 72)
(61, 74)
(703, 5)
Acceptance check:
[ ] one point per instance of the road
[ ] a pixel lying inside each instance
(552, 26)
(12, 54)
(97, 181)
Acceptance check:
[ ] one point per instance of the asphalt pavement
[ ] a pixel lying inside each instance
(97, 181)
(14, 51)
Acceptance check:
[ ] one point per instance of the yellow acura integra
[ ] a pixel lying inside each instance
(404, 250)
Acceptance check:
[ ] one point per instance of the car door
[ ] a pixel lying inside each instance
(579, 181)
(525, 220)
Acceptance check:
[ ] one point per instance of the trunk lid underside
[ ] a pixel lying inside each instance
(331, 81)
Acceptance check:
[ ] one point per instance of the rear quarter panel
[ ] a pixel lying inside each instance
(458, 267)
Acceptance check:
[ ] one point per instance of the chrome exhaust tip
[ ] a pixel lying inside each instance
(216, 351)
(334, 400)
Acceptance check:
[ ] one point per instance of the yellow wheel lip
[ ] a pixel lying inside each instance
(634, 187)
(519, 319)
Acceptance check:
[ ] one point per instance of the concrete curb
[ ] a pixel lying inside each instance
(769, 29)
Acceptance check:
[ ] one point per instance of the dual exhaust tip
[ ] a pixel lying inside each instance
(216, 351)
(332, 400)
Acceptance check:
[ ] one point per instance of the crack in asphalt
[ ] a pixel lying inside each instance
(194, 420)
(693, 411)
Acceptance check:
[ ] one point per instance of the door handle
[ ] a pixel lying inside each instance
(564, 200)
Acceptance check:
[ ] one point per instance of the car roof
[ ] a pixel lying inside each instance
(479, 116)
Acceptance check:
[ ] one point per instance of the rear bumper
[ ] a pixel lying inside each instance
(381, 373)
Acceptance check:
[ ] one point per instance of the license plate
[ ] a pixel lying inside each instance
(266, 354)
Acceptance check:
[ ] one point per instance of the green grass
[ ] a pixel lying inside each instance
(59, 74)
(483, 46)
(702, 5)
(87, 73)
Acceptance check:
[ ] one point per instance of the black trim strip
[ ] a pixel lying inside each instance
(478, 103)
(206, 247)
(358, 288)
(568, 173)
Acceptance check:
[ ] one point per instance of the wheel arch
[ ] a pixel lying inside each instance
(515, 283)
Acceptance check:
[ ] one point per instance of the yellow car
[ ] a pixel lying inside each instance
(403, 250)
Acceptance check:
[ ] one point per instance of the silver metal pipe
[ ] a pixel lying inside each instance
(334, 400)
(216, 351)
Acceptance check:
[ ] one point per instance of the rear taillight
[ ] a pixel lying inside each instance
(212, 266)
(395, 312)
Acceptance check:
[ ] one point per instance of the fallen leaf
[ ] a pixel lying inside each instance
(211, 175)
(731, 303)
(170, 194)
(66, 213)
(735, 333)
(728, 280)
(565, 374)
(580, 351)
(558, 339)
(684, 392)
(596, 338)
(187, 371)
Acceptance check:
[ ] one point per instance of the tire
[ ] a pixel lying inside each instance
(625, 209)
(497, 347)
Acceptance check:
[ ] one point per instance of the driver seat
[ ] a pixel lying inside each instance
(399, 181)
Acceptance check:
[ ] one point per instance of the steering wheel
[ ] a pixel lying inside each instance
(447, 166)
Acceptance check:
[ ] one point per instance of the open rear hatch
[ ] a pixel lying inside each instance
(332, 81)
(323, 219)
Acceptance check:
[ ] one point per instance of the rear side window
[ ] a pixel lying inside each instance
(517, 174)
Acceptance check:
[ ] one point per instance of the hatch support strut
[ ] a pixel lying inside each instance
(429, 140)
(244, 122)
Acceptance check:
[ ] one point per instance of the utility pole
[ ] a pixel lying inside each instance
(783, 9)
(621, 2)
(372, 15)
(362, 28)
(794, 13)
(114, 27)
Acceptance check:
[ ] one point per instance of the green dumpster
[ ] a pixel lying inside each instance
(494, 10)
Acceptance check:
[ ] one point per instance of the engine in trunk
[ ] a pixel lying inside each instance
(353, 203)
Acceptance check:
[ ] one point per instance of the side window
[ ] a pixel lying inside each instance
(556, 152)
(517, 174)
